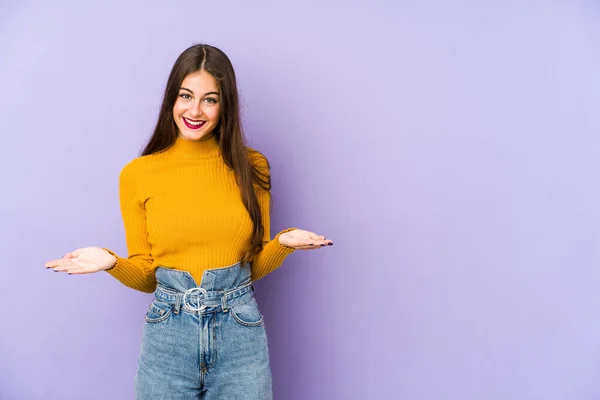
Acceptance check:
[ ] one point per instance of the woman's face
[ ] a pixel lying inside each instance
(197, 108)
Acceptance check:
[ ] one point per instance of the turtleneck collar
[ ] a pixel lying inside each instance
(207, 147)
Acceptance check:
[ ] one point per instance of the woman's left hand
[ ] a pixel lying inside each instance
(303, 240)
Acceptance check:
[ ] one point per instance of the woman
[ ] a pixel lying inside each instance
(195, 207)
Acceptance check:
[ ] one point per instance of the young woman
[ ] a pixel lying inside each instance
(195, 207)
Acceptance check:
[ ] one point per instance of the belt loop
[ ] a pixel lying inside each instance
(177, 305)
(224, 302)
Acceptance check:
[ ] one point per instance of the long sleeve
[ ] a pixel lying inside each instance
(273, 253)
(136, 270)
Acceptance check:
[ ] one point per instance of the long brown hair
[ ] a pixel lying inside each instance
(228, 132)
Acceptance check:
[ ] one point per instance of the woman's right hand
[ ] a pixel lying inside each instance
(83, 261)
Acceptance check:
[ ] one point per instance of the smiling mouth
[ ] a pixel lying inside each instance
(193, 124)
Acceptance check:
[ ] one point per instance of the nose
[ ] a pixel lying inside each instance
(196, 109)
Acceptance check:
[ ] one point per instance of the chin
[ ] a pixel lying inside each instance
(193, 135)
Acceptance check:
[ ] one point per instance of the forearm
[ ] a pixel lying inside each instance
(134, 272)
(270, 257)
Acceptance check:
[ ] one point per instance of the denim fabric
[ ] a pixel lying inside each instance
(204, 344)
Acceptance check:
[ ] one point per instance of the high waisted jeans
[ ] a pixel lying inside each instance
(206, 342)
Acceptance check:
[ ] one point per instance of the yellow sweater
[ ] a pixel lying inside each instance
(182, 209)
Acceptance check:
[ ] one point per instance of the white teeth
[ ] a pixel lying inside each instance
(194, 123)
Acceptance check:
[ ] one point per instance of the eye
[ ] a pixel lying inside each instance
(211, 100)
(183, 95)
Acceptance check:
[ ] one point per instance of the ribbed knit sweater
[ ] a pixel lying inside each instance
(182, 209)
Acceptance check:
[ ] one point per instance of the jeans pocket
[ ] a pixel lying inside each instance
(247, 314)
(158, 311)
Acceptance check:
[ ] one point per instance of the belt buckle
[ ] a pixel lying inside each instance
(190, 291)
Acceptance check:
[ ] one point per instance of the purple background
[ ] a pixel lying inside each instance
(450, 149)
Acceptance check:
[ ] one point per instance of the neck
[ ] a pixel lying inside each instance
(206, 147)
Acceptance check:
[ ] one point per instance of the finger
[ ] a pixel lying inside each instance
(61, 265)
(316, 240)
(79, 271)
(73, 254)
(68, 269)
(322, 243)
(295, 242)
(327, 242)
(305, 243)
(54, 263)
(320, 240)
(309, 244)
(308, 248)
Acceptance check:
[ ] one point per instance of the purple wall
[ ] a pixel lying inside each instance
(450, 150)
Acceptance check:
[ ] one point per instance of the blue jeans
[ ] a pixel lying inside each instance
(207, 342)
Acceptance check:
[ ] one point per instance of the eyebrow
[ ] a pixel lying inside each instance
(206, 94)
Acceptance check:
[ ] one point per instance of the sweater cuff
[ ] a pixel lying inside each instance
(272, 255)
(132, 275)
(112, 253)
(282, 245)
(276, 251)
